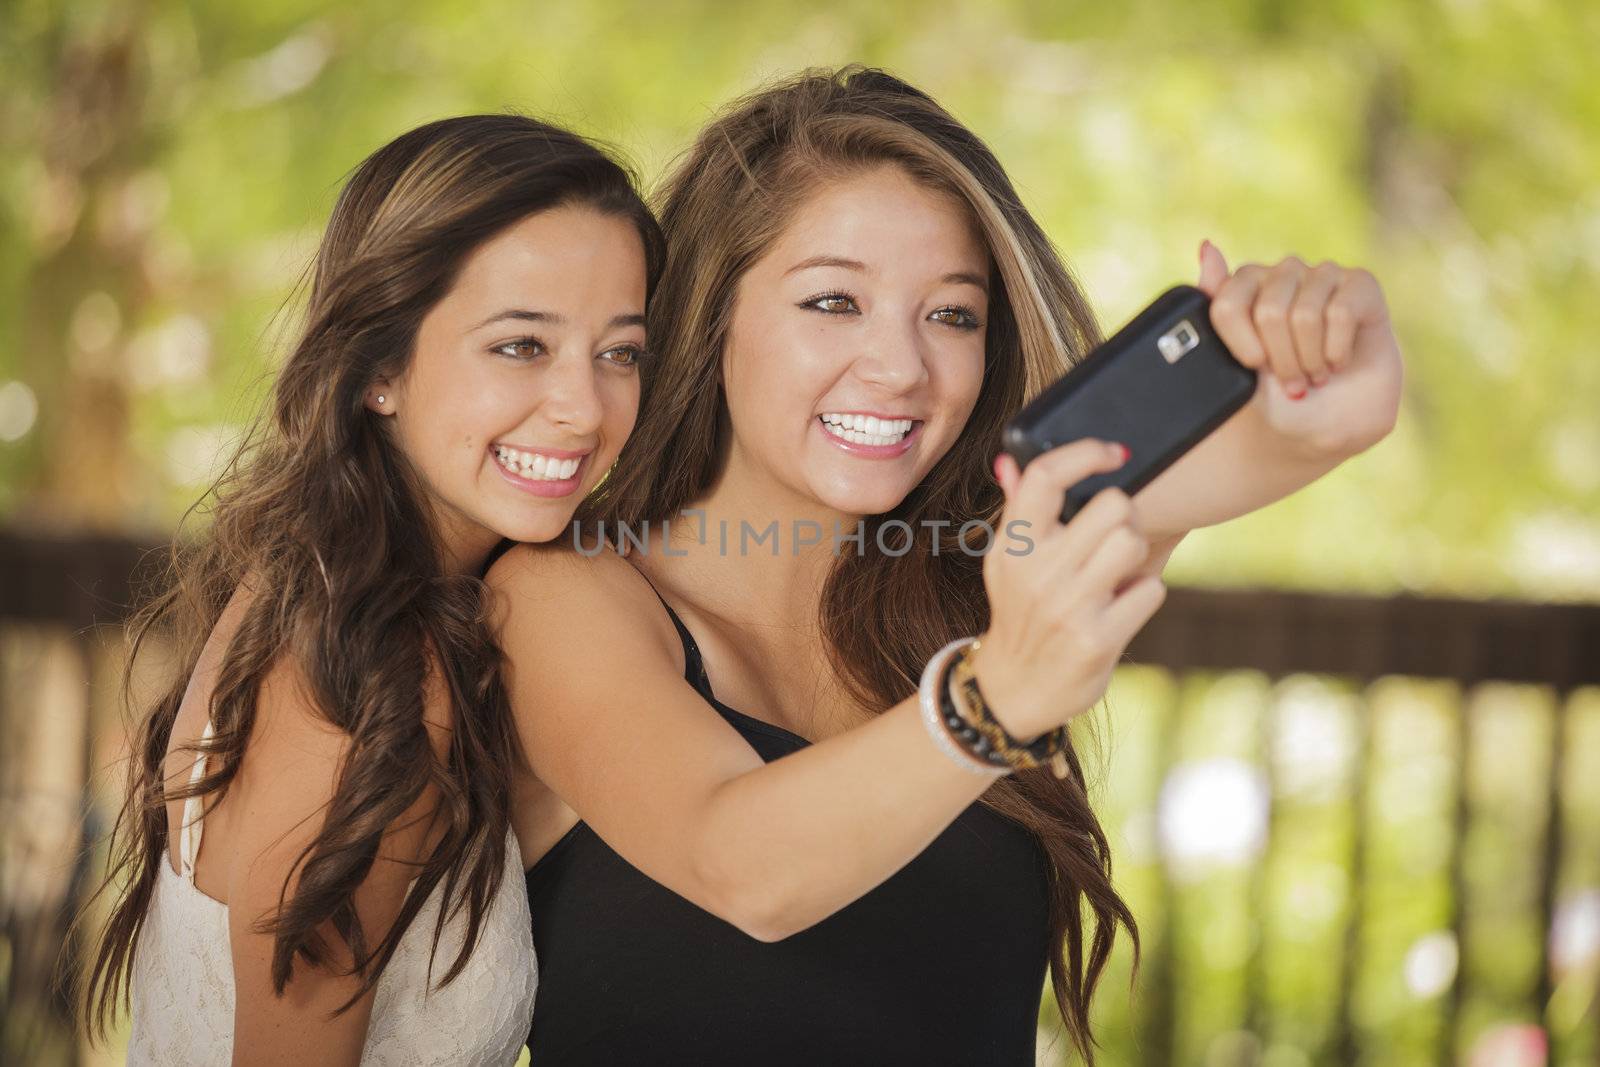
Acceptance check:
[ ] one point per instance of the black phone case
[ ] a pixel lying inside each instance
(1138, 389)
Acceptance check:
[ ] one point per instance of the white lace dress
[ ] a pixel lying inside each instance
(182, 980)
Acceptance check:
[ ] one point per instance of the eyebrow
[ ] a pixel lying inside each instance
(959, 277)
(828, 261)
(550, 317)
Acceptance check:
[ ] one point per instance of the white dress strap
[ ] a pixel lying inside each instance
(189, 830)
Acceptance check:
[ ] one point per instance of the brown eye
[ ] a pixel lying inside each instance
(523, 349)
(624, 356)
(956, 316)
(832, 303)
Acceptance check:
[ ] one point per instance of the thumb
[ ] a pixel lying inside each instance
(1213, 268)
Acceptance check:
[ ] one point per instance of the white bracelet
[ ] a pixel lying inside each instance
(928, 693)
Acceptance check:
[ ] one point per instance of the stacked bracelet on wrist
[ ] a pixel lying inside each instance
(933, 692)
(963, 699)
(965, 728)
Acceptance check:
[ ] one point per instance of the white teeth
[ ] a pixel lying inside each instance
(867, 429)
(536, 465)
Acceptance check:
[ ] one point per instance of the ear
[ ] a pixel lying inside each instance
(381, 398)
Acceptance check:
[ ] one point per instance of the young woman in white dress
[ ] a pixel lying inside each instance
(315, 862)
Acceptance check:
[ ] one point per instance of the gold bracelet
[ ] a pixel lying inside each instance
(968, 702)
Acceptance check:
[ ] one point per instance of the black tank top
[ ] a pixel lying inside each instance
(943, 963)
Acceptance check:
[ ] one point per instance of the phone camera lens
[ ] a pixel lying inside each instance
(1178, 340)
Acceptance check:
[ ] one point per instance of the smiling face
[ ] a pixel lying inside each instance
(523, 385)
(855, 348)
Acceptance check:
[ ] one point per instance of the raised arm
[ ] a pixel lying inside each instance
(610, 725)
(1299, 325)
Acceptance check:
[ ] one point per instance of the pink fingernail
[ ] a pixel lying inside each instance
(1297, 391)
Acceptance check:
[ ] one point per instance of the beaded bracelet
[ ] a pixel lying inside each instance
(970, 700)
(931, 693)
(964, 703)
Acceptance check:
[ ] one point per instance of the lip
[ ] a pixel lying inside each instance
(900, 448)
(542, 486)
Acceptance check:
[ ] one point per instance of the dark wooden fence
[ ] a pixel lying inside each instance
(75, 590)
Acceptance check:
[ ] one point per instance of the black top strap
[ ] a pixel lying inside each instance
(694, 669)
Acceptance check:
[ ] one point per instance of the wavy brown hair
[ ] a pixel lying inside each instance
(722, 207)
(325, 521)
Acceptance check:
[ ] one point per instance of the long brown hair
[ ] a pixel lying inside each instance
(323, 518)
(723, 205)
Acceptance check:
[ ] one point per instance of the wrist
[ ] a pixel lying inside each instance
(969, 712)
(1010, 705)
(956, 738)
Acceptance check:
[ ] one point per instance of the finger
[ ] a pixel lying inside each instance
(1230, 315)
(1108, 510)
(1356, 300)
(1308, 318)
(1132, 608)
(1213, 268)
(1036, 497)
(1271, 317)
(1118, 555)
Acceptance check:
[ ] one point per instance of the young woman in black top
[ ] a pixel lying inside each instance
(751, 846)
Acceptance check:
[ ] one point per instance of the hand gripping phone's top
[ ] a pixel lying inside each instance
(1159, 385)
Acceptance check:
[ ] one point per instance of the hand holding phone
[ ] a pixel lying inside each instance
(1159, 385)
(1062, 613)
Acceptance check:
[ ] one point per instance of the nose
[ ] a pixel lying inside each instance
(893, 358)
(570, 399)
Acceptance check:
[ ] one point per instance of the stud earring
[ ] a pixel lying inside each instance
(380, 398)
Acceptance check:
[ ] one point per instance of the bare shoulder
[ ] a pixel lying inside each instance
(540, 570)
(297, 758)
(292, 737)
(543, 588)
(292, 723)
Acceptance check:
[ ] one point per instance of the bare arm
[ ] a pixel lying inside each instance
(609, 724)
(1243, 466)
(288, 777)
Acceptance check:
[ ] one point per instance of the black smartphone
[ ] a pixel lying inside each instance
(1159, 385)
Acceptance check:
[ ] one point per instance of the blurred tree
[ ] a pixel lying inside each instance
(85, 277)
